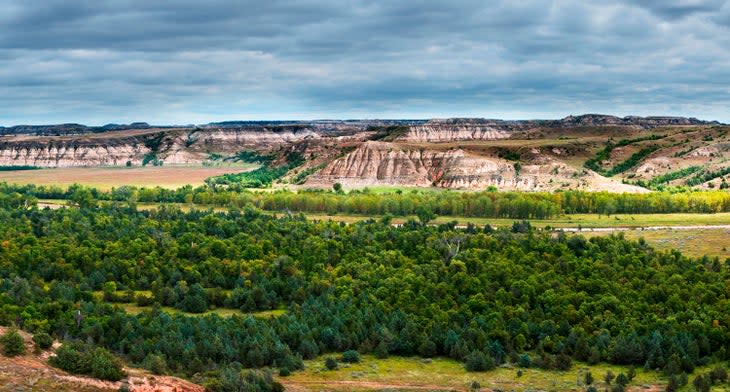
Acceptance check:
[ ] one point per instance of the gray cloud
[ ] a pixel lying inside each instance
(191, 61)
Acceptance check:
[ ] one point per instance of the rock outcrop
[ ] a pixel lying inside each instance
(448, 131)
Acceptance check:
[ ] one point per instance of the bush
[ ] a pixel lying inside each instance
(43, 340)
(330, 363)
(155, 363)
(563, 362)
(718, 374)
(12, 343)
(524, 361)
(631, 373)
(97, 362)
(351, 356)
(588, 378)
(103, 365)
(233, 379)
(702, 383)
(478, 361)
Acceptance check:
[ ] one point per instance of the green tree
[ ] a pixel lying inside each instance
(425, 214)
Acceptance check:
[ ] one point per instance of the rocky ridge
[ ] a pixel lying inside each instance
(451, 153)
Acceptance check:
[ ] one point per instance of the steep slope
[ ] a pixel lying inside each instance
(381, 163)
(450, 130)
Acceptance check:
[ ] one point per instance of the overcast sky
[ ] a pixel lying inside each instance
(192, 61)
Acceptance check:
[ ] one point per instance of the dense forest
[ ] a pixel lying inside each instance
(490, 204)
(477, 295)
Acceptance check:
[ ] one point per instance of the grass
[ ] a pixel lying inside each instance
(222, 312)
(415, 373)
(109, 177)
(570, 220)
(695, 242)
(133, 308)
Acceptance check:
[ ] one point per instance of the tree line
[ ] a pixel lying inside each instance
(488, 204)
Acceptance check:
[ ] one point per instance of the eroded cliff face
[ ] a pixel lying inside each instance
(459, 153)
(187, 146)
(70, 154)
(441, 131)
(382, 163)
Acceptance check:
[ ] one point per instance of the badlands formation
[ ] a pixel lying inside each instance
(590, 152)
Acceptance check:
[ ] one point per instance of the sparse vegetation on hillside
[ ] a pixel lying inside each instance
(661, 180)
(262, 177)
(605, 153)
(708, 176)
(388, 133)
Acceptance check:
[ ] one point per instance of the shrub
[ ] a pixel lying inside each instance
(718, 374)
(330, 363)
(43, 340)
(702, 383)
(631, 373)
(351, 356)
(12, 343)
(524, 361)
(588, 378)
(478, 361)
(84, 359)
(563, 362)
(609, 377)
(103, 365)
(155, 363)
(233, 379)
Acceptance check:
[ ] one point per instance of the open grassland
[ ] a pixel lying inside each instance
(567, 221)
(583, 221)
(222, 312)
(133, 308)
(398, 373)
(695, 242)
(106, 178)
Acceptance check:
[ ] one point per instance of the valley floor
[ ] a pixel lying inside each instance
(105, 178)
(438, 374)
(695, 235)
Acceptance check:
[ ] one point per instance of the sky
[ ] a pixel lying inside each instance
(192, 61)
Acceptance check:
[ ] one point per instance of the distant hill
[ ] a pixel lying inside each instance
(590, 152)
